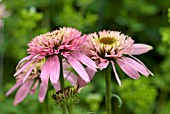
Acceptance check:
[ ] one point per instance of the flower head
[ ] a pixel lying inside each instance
(107, 46)
(64, 43)
(66, 96)
(33, 81)
(29, 86)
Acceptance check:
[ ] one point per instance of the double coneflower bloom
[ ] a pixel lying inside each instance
(66, 44)
(112, 46)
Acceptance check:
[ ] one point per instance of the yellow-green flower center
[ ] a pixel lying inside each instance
(107, 40)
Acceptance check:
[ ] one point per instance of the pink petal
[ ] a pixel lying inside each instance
(85, 60)
(55, 69)
(24, 59)
(45, 74)
(71, 77)
(29, 71)
(34, 87)
(136, 65)
(140, 49)
(42, 91)
(23, 91)
(23, 67)
(141, 64)
(91, 74)
(13, 88)
(81, 82)
(103, 63)
(78, 68)
(56, 86)
(116, 75)
(130, 71)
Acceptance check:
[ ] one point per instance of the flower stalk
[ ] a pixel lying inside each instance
(69, 107)
(47, 104)
(61, 73)
(108, 90)
(61, 78)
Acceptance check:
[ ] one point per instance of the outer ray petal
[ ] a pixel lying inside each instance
(29, 71)
(13, 88)
(72, 78)
(141, 64)
(34, 87)
(140, 49)
(116, 75)
(23, 67)
(84, 59)
(45, 74)
(23, 92)
(136, 65)
(24, 59)
(42, 91)
(91, 74)
(103, 63)
(130, 71)
(55, 69)
(78, 68)
(56, 86)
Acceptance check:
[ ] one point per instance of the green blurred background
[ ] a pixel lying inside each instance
(146, 21)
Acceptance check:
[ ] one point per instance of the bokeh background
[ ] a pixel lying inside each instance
(146, 21)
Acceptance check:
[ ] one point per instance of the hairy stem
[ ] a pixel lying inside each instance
(69, 107)
(108, 90)
(61, 73)
(47, 104)
(61, 80)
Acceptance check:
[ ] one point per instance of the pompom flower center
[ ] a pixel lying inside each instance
(107, 40)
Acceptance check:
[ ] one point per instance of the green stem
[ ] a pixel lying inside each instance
(69, 107)
(108, 90)
(63, 110)
(47, 104)
(61, 73)
(61, 80)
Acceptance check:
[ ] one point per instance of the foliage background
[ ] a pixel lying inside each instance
(146, 21)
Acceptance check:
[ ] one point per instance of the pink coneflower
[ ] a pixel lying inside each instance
(29, 86)
(65, 43)
(32, 82)
(110, 46)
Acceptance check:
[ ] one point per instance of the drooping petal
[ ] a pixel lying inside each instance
(24, 59)
(140, 49)
(91, 74)
(13, 88)
(23, 91)
(56, 86)
(55, 69)
(81, 82)
(116, 75)
(24, 67)
(142, 64)
(136, 65)
(29, 71)
(42, 91)
(85, 60)
(78, 68)
(45, 74)
(34, 87)
(130, 71)
(103, 63)
(71, 77)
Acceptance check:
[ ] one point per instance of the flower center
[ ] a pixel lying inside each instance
(107, 40)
